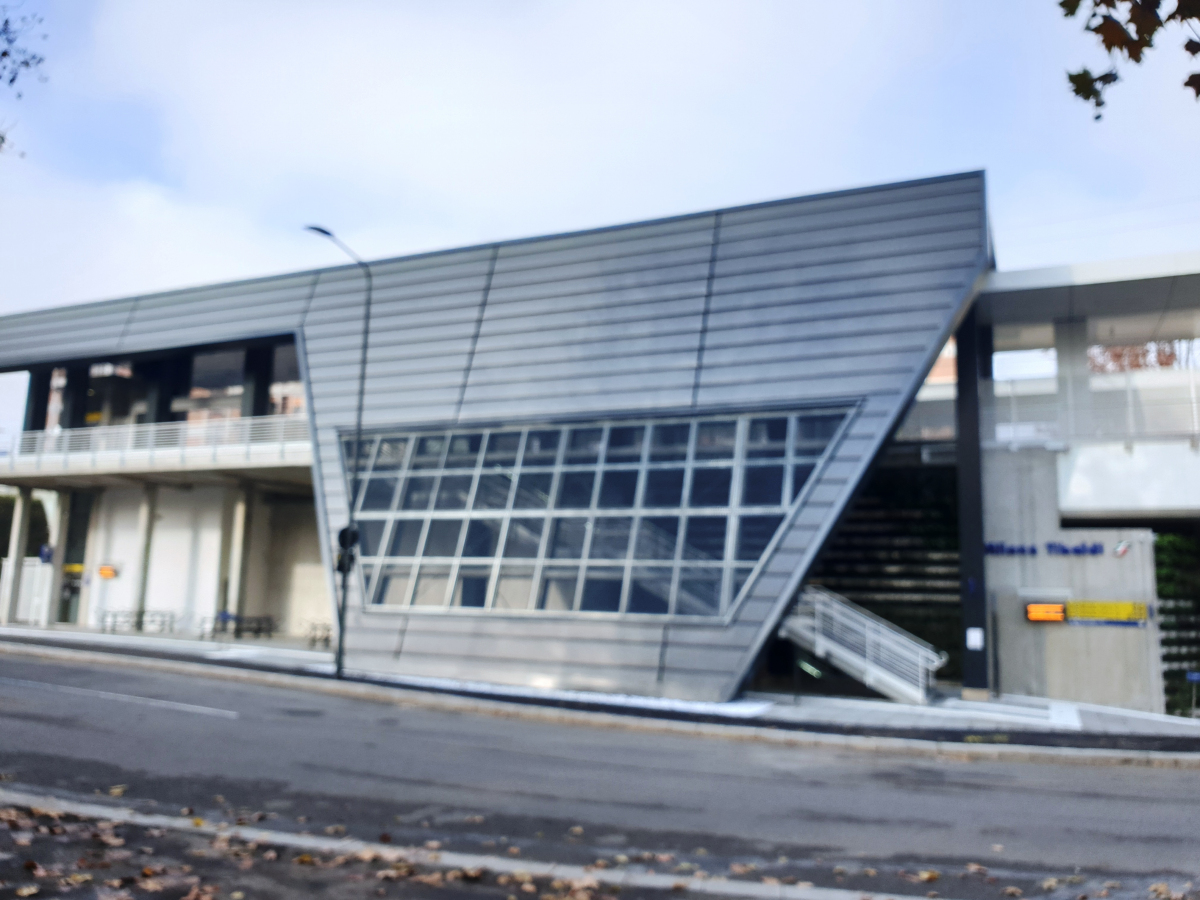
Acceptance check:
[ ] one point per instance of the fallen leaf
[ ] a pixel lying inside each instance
(1012, 891)
(769, 879)
(151, 885)
(1049, 884)
(79, 878)
(117, 790)
(335, 829)
(237, 895)
(198, 822)
(575, 829)
(514, 851)
(270, 855)
(870, 873)
(928, 875)
(304, 859)
(433, 845)
(28, 890)
(976, 869)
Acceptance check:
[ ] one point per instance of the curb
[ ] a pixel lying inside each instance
(399, 696)
(719, 887)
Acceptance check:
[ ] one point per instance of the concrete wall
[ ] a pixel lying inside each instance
(296, 587)
(115, 540)
(185, 555)
(1106, 664)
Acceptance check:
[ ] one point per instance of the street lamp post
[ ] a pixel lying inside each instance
(348, 536)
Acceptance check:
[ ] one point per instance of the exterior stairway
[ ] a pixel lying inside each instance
(872, 650)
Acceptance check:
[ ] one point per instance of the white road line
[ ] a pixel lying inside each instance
(749, 890)
(124, 698)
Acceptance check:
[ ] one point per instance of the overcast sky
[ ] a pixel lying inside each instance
(180, 143)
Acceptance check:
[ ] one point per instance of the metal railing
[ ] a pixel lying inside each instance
(157, 443)
(871, 649)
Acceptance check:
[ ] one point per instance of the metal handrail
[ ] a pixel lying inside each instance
(876, 641)
(157, 438)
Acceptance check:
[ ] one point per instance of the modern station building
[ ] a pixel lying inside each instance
(623, 460)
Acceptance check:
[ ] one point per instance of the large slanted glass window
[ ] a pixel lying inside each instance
(627, 517)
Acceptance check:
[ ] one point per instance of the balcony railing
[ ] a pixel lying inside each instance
(220, 443)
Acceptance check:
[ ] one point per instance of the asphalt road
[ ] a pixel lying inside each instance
(483, 784)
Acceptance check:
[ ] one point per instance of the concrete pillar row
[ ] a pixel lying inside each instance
(18, 538)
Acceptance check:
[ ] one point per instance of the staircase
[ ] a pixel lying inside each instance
(872, 650)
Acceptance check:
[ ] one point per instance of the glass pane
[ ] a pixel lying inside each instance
(617, 489)
(704, 538)
(583, 445)
(664, 487)
(428, 454)
(482, 537)
(813, 432)
(625, 443)
(492, 492)
(533, 491)
(405, 535)
(650, 591)
(762, 486)
(799, 477)
(767, 438)
(502, 449)
(524, 535)
(699, 592)
(369, 535)
(541, 448)
(470, 589)
(566, 541)
(364, 453)
(656, 538)
(513, 588)
(739, 581)
(575, 490)
(714, 440)
(558, 589)
(610, 538)
(669, 442)
(442, 539)
(453, 492)
(710, 487)
(417, 493)
(393, 585)
(464, 451)
(602, 590)
(379, 493)
(391, 454)
(754, 533)
(431, 586)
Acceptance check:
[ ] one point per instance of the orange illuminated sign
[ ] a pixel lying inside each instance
(1046, 612)
(107, 572)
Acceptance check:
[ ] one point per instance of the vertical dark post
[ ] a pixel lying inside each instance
(256, 381)
(971, 353)
(75, 397)
(37, 399)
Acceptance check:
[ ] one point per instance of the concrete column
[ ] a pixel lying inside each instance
(17, 539)
(1074, 378)
(58, 540)
(147, 513)
(973, 590)
(239, 542)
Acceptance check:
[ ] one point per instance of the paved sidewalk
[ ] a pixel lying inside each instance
(1006, 719)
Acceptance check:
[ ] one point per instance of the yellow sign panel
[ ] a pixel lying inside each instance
(1046, 612)
(1106, 611)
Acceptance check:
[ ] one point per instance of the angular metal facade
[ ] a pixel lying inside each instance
(838, 299)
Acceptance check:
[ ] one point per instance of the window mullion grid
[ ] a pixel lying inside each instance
(684, 504)
(732, 521)
(506, 516)
(385, 540)
(548, 521)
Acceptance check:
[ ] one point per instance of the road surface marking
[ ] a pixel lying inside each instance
(747, 890)
(124, 698)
